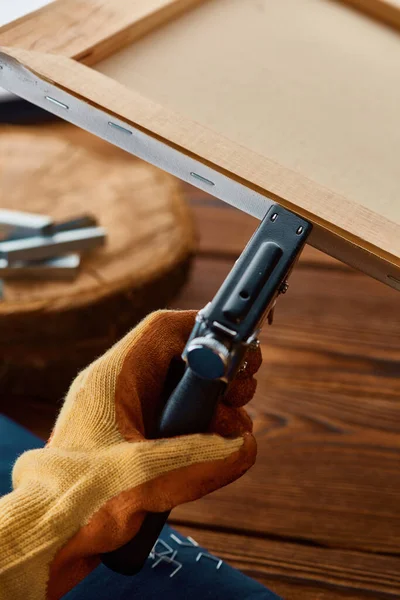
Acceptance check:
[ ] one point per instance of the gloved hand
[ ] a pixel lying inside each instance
(88, 490)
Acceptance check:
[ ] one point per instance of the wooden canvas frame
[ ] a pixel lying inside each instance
(48, 54)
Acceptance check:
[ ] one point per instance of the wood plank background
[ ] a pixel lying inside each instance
(318, 516)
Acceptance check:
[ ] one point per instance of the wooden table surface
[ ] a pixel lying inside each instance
(318, 517)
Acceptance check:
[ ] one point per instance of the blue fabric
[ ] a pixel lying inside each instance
(14, 440)
(195, 580)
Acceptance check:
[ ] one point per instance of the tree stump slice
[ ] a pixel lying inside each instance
(49, 330)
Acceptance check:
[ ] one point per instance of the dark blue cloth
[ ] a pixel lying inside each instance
(14, 440)
(195, 580)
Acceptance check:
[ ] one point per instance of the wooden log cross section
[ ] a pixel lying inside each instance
(49, 330)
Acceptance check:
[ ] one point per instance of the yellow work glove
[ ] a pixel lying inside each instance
(88, 490)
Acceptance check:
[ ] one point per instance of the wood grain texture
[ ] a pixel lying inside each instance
(325, 416)
(315, 482)
(89, 30)
(330, 572)
(386, 11)
(330, 211)
(340, 390)
(343, 311)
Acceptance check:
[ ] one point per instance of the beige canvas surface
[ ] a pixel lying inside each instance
(311, 84)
